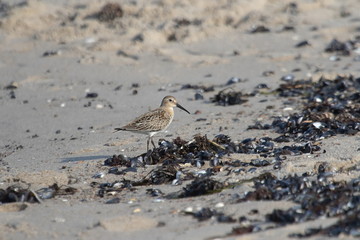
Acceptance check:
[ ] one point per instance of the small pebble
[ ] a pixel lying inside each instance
(199, 96)
(288, 77)
(219, 205)
(99, 106)
(334, 58)
(233, 80)
(302, 44)
(137, 210)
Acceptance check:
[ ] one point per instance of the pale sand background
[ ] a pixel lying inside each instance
(51, 96)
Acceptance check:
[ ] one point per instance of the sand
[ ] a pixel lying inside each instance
(56, 52)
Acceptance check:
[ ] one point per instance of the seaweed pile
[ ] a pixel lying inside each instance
(207, 213)
(316, 196)
(330, 107)
(342, 48)
(172, 158)
(228, 97)
(201, 151)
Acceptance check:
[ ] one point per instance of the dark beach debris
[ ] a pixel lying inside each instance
(199, 95)
(127, 55)
(200, 148)
(287, 28)
(181, 22)
(199, 186)
(12, 86)
(12, 94)
(331, 106)
(55, 190)
(294, 88)
(204, 214)
(164, 174)
(240, 230)
(112, 188)
(199, 87)
(211, 88)
(307, 233)
(16, 193)
(91, 95)
(200, 152)
(259, 29)
(202, 186)
(262, 86)
(302, 44)
(347, 225)
(341, 48)
(51, 53)
(118, 87)
(228, 96)
(246, 226)
(154, 192)
(317, 196)
(266, 148)
(118, 160)
(281, 216)
(109, 12)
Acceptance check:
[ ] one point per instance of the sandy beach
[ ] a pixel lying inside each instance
(72, 71)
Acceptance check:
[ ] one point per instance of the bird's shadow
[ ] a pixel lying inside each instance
(84, 158)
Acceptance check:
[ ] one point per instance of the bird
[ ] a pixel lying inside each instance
(155, 121)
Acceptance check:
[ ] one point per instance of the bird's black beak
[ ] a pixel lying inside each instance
(182, 108)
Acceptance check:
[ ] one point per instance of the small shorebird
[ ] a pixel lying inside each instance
(155, 121)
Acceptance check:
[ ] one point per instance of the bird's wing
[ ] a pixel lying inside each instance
(150, 121)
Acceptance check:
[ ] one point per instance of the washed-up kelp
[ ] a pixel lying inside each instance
(316, 197)
(207, 213)
(348, 224)
(342, 48)
(112, 188)
(200, 150)
(230, 97)
(199, 186)
(330, 107)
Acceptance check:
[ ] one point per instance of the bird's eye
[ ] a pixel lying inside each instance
(170, 100)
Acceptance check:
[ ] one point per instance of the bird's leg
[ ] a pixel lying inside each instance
(147, 146)
(152, 141)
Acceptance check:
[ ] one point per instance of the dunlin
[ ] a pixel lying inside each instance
(155, 121)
